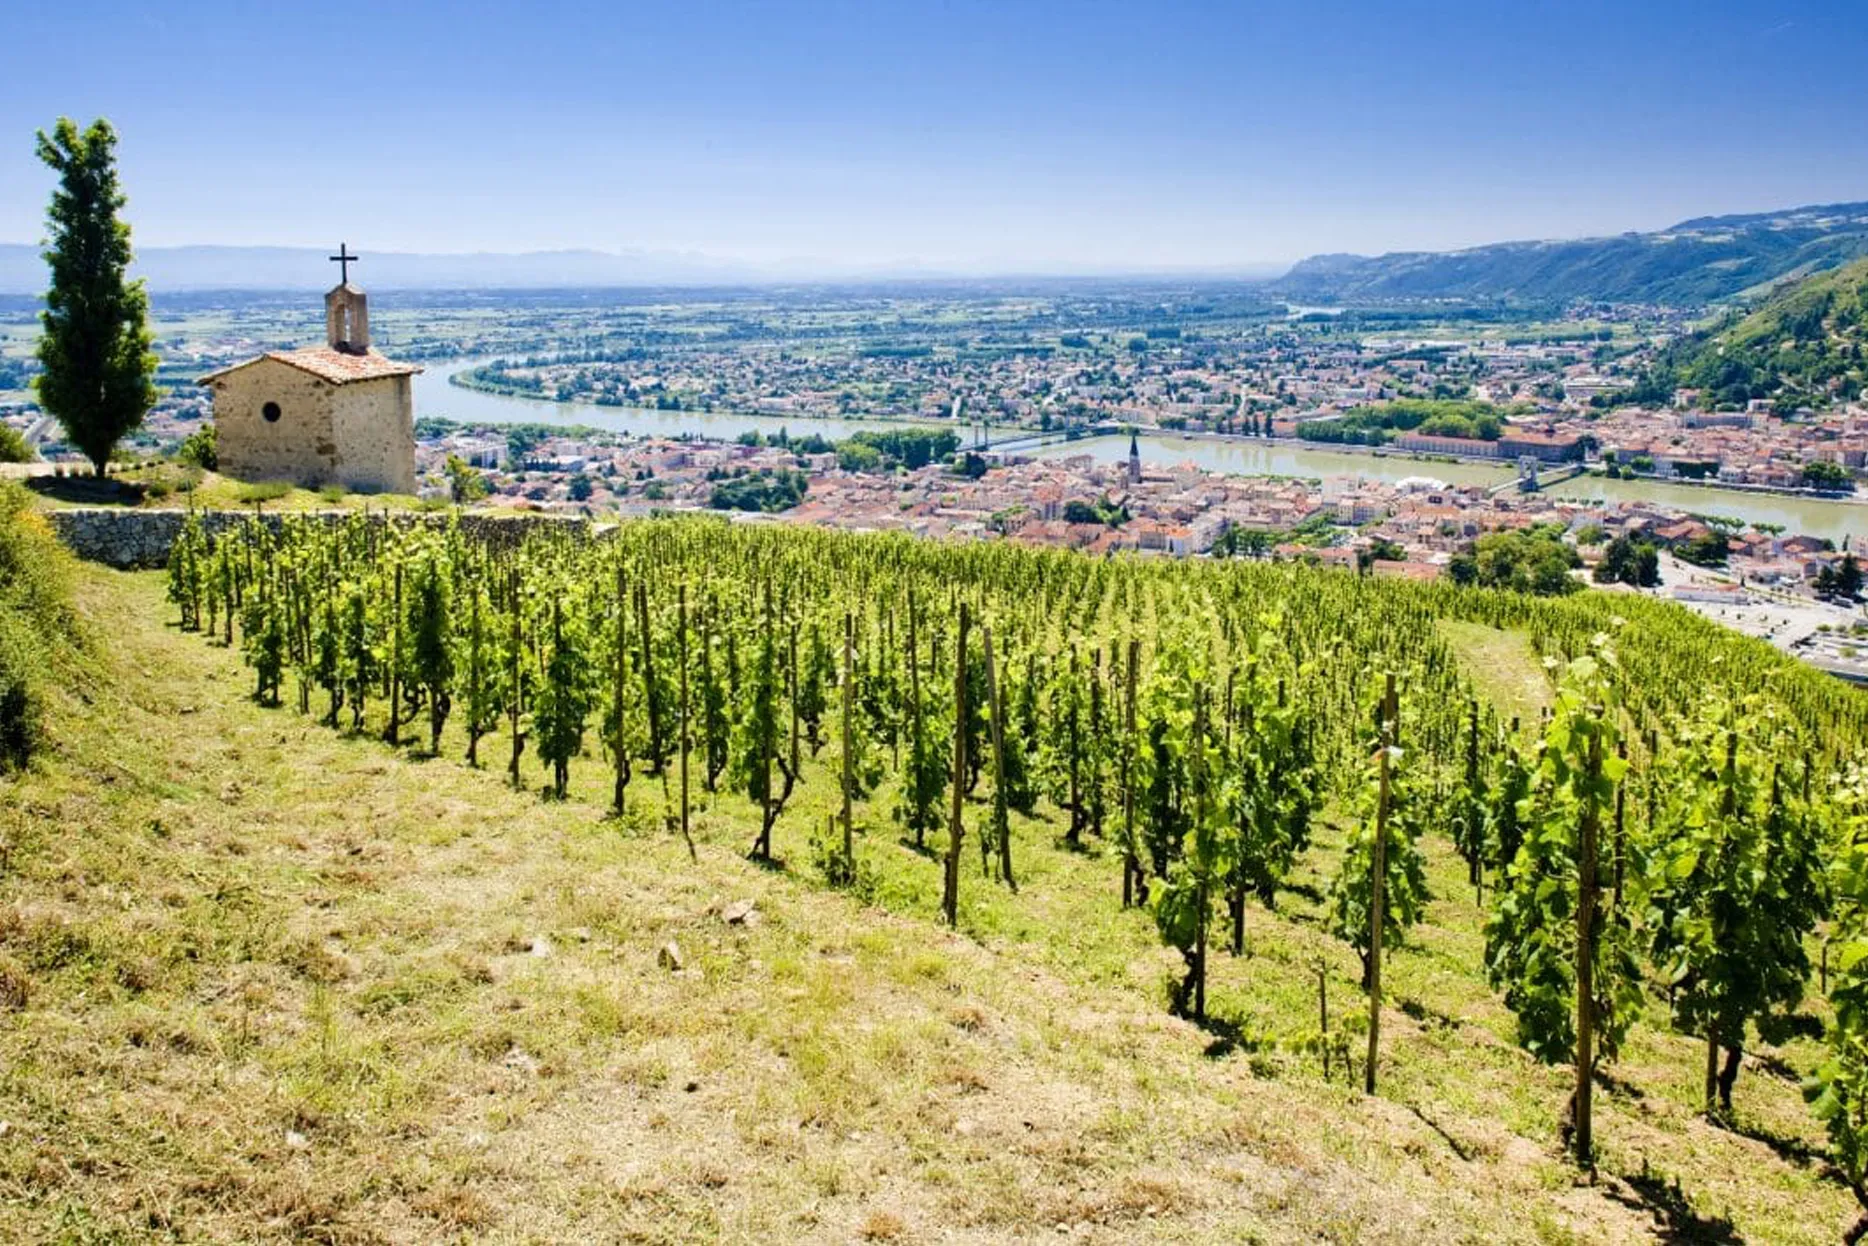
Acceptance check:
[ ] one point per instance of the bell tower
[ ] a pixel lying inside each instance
(346, 310)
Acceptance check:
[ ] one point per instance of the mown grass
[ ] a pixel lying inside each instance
(267, 981)
(160, 484)
(1504, 668)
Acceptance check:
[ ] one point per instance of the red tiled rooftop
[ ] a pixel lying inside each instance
(327, 364)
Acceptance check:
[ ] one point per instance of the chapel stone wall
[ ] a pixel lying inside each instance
(298, 446)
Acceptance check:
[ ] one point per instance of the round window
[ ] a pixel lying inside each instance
(271, 412)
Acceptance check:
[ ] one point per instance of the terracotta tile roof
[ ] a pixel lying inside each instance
(327, 364)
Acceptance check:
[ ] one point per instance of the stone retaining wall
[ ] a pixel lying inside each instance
(128, 539)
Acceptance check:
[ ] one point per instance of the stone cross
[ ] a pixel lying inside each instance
(343, 259)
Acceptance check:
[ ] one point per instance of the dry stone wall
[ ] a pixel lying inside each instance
(136, 539)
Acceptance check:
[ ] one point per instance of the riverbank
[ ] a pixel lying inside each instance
(1588, 470)
(465, 378)
(1737, 486)
(1292, 458)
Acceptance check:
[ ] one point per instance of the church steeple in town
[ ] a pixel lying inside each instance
(346, 310)
(1135, 459)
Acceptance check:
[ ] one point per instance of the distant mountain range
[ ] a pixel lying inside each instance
(171, 269)
(194, 268)
(1695, 262)
(22, 271)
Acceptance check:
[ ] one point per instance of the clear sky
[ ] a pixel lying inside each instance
(984, 135)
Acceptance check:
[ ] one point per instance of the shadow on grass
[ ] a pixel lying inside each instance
(1776, 1066)
(86, 490)
(1422, 1014)
(1619, 1088)
(1459, 1148)
(1675, 1219)
(1229, 1038)
(772, 865)
(1791, 1149)
(1303, 891)
(920, 850)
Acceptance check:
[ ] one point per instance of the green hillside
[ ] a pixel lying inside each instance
(1695, 262)
(266, 979)
(1804, 346)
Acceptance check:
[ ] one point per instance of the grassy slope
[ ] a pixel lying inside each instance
(279, 982)
(172, 486)
(1504, 668)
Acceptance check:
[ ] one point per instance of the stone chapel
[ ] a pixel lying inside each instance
(340, 413)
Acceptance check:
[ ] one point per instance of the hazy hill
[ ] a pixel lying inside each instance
(1696, 261)
(22, 271)
(194, 268)
(1803, 346)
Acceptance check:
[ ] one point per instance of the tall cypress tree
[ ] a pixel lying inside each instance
(98, 378)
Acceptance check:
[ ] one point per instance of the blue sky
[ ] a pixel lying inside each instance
(1007, 136)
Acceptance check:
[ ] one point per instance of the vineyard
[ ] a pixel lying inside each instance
(1667, 832)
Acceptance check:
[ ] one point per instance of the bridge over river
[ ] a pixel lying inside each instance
(1107, 443)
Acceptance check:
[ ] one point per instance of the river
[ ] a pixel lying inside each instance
(434, 396)
(1814, 516)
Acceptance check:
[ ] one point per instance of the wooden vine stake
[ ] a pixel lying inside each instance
(658, 758)
(392, 732)
(1585, 956)
(849, 779)
(1134, 884)
(1621, 841)
(515, 652)
(619, 743)
(950, 892)
(1001, 819)
(1323, 1015)
(1378, 883)
(682, 625)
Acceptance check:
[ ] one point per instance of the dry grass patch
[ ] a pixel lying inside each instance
(273, 983)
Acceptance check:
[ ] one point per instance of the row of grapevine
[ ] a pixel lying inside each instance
(1661, 834)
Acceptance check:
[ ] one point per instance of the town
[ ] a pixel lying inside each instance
(1434, 434)
(1753, 577)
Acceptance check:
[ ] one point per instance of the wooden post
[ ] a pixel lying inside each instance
(1201, 898)
(1585, 960)
(1001, 821)
(682, 625)
(391, 733)
(791, 695)
(950, 893)
(1378, 884)
(1131, 862)
(1073, 836)
(1475, 848)
(513, 685)
(762, 847)
(888, 652)
(619, 742)
(1323, 1015)
(657, 755)
(1621, 842)
(475, 678)
(560, 766)
(849, 741)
